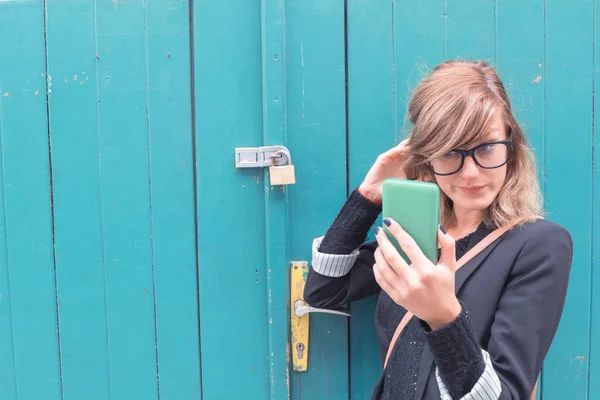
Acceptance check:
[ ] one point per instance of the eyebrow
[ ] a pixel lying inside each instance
(492, 137)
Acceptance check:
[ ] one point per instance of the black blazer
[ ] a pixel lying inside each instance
(514, 292)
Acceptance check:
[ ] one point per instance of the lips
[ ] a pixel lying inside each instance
(471, 189)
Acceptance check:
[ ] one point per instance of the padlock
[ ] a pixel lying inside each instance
(284, 175)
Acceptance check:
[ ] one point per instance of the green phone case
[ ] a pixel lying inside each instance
(416, 207)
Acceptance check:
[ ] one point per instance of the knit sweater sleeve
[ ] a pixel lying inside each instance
(351, 226)
(342, 264)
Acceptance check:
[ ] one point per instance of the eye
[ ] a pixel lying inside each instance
(485, 148)
(450, 154)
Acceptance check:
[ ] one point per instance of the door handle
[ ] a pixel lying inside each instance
(299, 316)
(301, 309)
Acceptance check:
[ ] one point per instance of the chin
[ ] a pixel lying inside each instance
(478, 203)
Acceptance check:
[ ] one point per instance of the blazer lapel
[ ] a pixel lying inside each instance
(463, 274)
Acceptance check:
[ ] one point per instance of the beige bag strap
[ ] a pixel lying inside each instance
(478, 248)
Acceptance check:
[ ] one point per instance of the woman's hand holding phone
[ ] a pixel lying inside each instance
(387, 165)
(423, 288)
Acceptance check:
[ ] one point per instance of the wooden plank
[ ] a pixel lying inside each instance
(276, 199)
(593, 360)
(77, 200)
(470, 29)
(520, 62)
(569, 38)
(27, 232)
(173, 206)
(419, 34)
(521, 65)
(231, 219)
(372, 129)
(126, 202)
(8, 378)
(317, 138)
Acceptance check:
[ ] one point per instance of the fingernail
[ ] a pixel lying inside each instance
(442, 229)
(387, 221)
(377, 230)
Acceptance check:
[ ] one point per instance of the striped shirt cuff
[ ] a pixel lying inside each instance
(332, 265)
(487, 386)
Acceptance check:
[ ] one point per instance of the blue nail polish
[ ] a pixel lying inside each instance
(387, 221)
(442, 229)
(377, 230)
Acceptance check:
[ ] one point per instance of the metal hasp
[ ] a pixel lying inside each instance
(277, 158)
(299, 316)
(265, 156)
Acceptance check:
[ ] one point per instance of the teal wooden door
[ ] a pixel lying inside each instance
(136, 261)
(98, 280)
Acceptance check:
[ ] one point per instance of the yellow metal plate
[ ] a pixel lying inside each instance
(299, 325)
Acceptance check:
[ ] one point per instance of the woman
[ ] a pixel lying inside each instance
(480, 332)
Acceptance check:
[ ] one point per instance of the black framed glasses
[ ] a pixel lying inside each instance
(488, 155)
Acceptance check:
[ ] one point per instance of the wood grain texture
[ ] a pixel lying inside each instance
(74, 123)
(274, 129)
(126, 201)
(316, 119)
(372, 129)
(593, 359)
(29, 350)
(569, 58)
(230, 202)
(171, 163)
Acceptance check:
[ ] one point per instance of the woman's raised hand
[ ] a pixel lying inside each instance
(388, 165)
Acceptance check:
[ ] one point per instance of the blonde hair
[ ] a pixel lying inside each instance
(455, 106)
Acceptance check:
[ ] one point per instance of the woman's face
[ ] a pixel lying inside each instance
(474, 188)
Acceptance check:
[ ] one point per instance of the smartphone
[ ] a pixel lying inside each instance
(416, 207)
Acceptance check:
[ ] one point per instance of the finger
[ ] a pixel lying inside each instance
(448, 246)
(400, 148)
(386, 270)
(391, 255)
(406, 242)
(379, 270)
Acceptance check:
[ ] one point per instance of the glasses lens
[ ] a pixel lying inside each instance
(491, 155)
(449, 163)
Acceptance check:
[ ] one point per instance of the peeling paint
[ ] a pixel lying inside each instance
(537, 80)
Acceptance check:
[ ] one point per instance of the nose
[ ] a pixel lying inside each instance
(470, 169)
